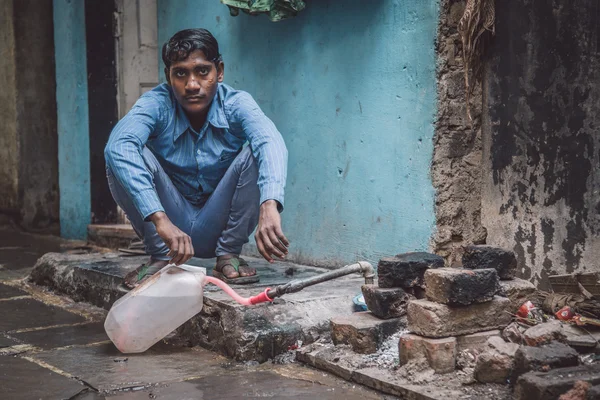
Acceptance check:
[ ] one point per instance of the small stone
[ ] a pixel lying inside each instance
(518, 291)
(430, 319)
(513, 333)
(476, 341)
(498, 344)
(551, 385)
(543, 358)
(363, 331)
(480, 257)
(460, 287)
(493, 367)
(544, 333)
(386, 303)
(439, 353)
(406, 270)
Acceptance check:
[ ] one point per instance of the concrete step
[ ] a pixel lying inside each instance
(245, 333)
(113, 236)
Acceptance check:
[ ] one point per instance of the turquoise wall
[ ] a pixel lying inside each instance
(72, 113)
(351, 86)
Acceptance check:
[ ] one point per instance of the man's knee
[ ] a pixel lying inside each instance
(247, 163)
(150, 161)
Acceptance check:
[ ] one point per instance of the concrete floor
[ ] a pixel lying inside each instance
(54, 348)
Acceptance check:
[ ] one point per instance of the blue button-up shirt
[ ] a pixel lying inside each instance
(194, 160)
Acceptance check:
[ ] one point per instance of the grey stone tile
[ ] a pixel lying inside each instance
(30, 313)
(9, 291)
(64, 336)
(21, 379)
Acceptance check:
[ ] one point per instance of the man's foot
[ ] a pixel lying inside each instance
(143, 272)
(233, 269)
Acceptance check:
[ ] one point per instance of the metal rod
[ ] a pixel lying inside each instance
(298, 284)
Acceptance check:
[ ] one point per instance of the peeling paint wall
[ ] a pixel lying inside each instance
(351, 86)
(541, 136)
(456, 169)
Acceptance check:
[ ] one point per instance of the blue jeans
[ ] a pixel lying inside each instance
(221, 226)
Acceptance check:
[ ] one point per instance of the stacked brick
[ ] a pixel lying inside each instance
(462, 308)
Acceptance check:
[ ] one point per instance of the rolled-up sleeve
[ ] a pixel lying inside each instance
(267, 146)
(123, 153)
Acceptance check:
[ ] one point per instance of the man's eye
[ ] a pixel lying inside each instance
(180, 74)
(204, 71)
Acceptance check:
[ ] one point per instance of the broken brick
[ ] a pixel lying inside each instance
(482, 257)
(517, 290)
(363, 331)
(551, 385)
(496, 364)
(386, 303)
(476, 341)
(460, 286)
(432, 319)
(439, 353)
(406, 270)
(543, 358)
(544, 333)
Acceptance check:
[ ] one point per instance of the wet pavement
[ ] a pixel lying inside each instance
(54, 348)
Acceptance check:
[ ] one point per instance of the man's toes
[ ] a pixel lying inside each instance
(247, 271)
(230, 272)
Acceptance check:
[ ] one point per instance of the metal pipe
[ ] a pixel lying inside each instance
(298, 284)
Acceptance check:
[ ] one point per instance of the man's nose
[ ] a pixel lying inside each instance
(192, 84)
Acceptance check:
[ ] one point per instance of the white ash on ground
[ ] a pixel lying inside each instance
(387, 355)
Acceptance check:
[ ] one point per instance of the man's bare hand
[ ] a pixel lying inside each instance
(270, 239)
(179, 243)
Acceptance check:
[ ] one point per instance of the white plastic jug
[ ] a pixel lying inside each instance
(156, 308)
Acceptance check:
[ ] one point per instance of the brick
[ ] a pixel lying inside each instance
(437, 320)
(386, 302)
(493, 367)
(543, 358)
(476, 341)
(517, 290)
(480, 257)
(406, 270)
(439, 353)
(551, 385)
(496, 343)
(363, 331)
(544, 333)
(460, 287)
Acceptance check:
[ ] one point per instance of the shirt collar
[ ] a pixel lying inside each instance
(216, 116)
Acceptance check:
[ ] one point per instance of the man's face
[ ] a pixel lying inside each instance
(195, 81)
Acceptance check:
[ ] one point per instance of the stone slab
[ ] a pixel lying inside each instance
(338, 361)
(245, 333)
(476, 341)
(7, 342)
(406, 270)
(20, 250)
(480, 256)
(430, 319)
(543, 358)
(386, 303)
(21, 379)
(105, 368)
(30, 313)
(7, 292)
(363, 331)
(460, 287)
(64, 336)
(551, 385)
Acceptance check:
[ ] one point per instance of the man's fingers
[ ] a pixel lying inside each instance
(277, 244)
(190, 249)
(261, 248)
(270, 247)
(282, 237)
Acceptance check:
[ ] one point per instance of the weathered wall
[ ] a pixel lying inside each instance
(28, 141)
(73, 118)
(456, 168)
(541, 138)
(9, 144)
(351, 86)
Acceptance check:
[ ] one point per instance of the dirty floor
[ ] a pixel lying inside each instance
(54, 348)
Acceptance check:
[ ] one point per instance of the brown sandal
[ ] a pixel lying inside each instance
(235, 263)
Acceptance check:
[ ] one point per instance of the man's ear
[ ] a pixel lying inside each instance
(220, 71)
(167, 76)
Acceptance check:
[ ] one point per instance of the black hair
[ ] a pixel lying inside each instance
(186, 41)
